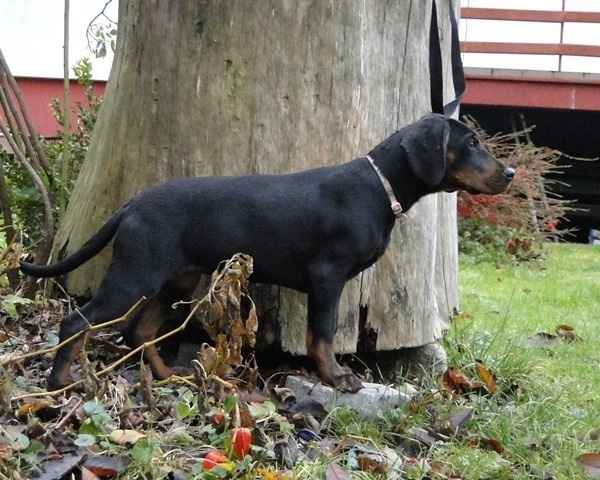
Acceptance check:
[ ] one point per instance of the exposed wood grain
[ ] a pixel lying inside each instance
(231, 87)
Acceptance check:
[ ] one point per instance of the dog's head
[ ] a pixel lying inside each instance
(447, 156)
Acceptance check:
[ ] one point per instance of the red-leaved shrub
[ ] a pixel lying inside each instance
(529, 205)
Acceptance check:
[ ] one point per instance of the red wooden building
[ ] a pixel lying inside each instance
(564, 106)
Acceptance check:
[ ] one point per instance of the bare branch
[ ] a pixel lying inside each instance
(20, 133)
(8, 114)
(66, 161)
(88, 30)
(30, 130)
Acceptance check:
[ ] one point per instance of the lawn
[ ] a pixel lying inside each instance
(547, 412)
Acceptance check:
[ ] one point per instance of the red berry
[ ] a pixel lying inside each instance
(212, 459)
(241, 441)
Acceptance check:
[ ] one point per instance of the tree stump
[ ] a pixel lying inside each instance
(230, 87)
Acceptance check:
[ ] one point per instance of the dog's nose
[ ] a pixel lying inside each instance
(509, 173)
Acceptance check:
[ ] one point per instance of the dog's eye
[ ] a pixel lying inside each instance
(472, 142)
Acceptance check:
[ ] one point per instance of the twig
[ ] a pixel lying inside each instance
(62, 422)
(144, 345)
(52, 393)
(17, 93)
(89, 27)
(8, 114)
(20, 131)
(199, 303)
(66, 162)
(89, 328)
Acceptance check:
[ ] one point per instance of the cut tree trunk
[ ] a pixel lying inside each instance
(229, 87)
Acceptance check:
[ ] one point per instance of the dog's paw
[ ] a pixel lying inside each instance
(347, 381)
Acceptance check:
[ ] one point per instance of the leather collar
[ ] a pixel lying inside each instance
(394, 203)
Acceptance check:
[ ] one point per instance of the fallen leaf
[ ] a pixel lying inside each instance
(59, 468)
(246, 419)
(457, 420)
(88, 475)
(456, 381)
(284, 394)
(422, 436)
(567, 333)
(286, 451)
(123, 437)
(40, 408)
(308, 406)
(14, 437)
(5, 452)
(487, 377)
(105, 467)
(372, 463)
(492, 444)
(590, 462)
(336, 472)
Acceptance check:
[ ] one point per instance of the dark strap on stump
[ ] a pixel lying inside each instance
(436, 73)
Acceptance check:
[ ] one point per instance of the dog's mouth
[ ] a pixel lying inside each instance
(498, 184)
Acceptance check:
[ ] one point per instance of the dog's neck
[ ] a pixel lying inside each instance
(392, 161)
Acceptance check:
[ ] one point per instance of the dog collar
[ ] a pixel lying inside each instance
(394, 203)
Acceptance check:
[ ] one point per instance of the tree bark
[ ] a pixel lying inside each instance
(229, 87)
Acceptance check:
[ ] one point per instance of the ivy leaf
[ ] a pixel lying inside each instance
(229, 403)
(85, 440)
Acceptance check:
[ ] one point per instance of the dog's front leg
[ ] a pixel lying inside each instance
(323, 302)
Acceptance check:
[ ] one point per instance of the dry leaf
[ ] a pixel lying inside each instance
(336, 472)
(590, 462)
(146, 384)
(567, 333)
(5, 452)
(123, 437)
(487, 377)
(105, 467)
(60, 467)
(88, 475)
(492, 444)
(458, 419)
(456, 381)
(372, 463)
(37, 407)
(284, 394)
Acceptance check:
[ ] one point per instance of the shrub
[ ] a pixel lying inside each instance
(481, 241)
(512, 226)
(529, 205)
(27, 204)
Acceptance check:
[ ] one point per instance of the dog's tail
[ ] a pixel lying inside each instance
(87, 251)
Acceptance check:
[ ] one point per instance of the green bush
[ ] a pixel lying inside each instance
(479, 241)
(26, 201)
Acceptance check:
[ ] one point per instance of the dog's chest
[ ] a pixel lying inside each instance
(371, 254)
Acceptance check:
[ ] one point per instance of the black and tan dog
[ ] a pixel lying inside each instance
(310, 231)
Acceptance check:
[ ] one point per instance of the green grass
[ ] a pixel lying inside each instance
(545, 421)
(547, 407)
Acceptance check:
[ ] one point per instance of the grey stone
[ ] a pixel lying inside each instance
(370, 401)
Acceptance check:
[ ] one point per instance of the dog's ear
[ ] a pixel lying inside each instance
(426, 142)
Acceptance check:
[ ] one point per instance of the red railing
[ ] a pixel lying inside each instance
(559, 49)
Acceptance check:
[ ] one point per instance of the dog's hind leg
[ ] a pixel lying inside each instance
(323, 301)
(158, 312)
(146, 329)
(119, 291)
